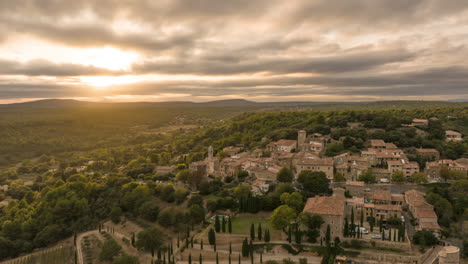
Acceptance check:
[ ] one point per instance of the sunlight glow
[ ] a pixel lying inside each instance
(109, 58)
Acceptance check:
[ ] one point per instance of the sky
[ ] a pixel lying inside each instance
(260, 50)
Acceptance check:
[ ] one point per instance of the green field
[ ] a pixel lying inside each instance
(241, 226)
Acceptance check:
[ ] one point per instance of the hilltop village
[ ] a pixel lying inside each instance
(290, 200)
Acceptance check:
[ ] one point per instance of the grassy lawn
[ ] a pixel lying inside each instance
(241, 226)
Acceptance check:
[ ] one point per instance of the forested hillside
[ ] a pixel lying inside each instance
(94, 164)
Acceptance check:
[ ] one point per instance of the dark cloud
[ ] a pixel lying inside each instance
(289, 48)
(47, 68)
(432, 82)
(227, 64)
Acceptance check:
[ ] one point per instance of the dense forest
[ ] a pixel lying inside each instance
(119, 147)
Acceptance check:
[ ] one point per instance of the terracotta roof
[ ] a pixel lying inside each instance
(394, 163)
(382, 195)
(452, 133)
(317, 161)
(285, 142)
(425, 214)
(429, 225)
(325, 205)
(390, 146)
(388, 207)
(397, 197)
(355, 183)
(417, 120)
(424, 150)
(377, 142)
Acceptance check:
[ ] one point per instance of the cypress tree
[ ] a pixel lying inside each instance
(239, 260)
(298, 236)
(164, 258)
(223, 225)
(345, 231)
(159, 253)
(362, 218)
(289, 234)
(383, 235)
(133, 239)
(230, 248)
(261, 258)
(229, 258)
(328, 236)
(245, 248)
(252, 231)
(187, 232)
(403, 230)
(212, 237)
(178, 243)
(201, 244)
(217, 226)
(190, 258)
(217, 259)
(214, 247)
(353, 227)
(152, 252)
(259, 231)
(200, 259)
(191, 242)
(229, 225)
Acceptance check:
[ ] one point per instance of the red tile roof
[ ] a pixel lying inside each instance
(325, 205)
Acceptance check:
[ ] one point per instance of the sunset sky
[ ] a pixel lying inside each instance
(261, 50)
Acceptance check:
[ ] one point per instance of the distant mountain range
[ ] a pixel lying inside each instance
(61, 103)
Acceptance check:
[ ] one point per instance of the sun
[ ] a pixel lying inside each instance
(108, 58)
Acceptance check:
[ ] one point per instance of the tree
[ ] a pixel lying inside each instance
(293, 200)
(267, 235)
(245, 248)
(115, 214)
(166, 216)
(149, 210)
(212, 237)
(398, 177)
(289, 234)
(229, 225)
(345, 229)
(371, 221)
(282, 216)
(424, 238)
(339, 177)
(419, 178)
(217, 224)
(259, 231)
(150, 239)
(328, 236)
(183, 175)
(314, 183)
(196, 214)
(190, 258)
(109, 250)
(367, 177)
(285, 175)
(223, 224)
(252, 231)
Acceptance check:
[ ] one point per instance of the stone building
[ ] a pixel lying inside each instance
(332, 211)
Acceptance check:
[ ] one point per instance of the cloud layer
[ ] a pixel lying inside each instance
(208, 49)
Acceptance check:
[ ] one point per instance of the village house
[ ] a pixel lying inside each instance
(332, 211)
(282, 145)
(453, 136)
(424, 213)
(432, 154)
(231, 150)
(164, 170)
(420, 122)
(314, 143)
(433, 168)
(316, 164)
